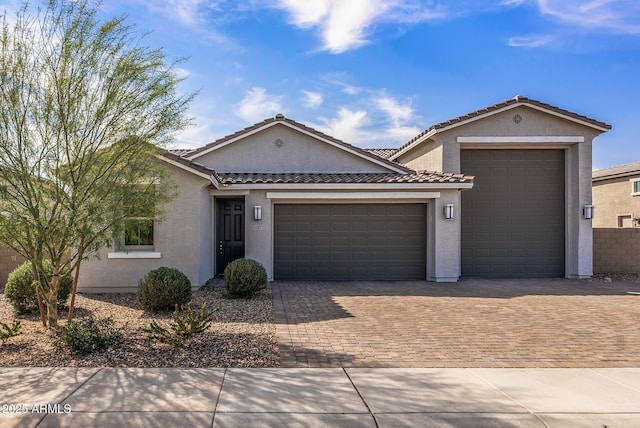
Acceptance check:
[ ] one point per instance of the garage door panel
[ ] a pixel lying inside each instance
(513, 218)
(367, 241)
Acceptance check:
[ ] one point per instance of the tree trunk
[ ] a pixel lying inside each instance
(72, 305)
(36, 279)
(52, 297)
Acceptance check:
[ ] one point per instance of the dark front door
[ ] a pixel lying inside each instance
(230, 232)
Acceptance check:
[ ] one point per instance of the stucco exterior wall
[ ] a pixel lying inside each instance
(9, 260)
(614, 202)
(443, 239)
(182, 237)
(427, 156)
(530, 122)
(297, 153)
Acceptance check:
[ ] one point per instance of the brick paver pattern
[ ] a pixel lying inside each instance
(472, 323)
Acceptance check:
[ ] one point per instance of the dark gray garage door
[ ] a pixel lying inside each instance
(513, 218)
(345, 242)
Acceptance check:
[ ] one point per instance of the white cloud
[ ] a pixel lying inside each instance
(398, 114)
(618, 16)
(312, 99)
(531, 41)
(348, 125)
(258, 105)
(345, 24)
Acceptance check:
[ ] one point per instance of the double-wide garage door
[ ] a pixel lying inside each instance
(350, 241)
(513, 218)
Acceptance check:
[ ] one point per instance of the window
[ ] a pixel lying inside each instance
(138, 232)
(624, 221)
(635, 189)
(139, 224)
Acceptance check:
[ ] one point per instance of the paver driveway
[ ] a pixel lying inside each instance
(473, 323)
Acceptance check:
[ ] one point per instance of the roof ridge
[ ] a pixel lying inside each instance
(518, 99)
(616, 166)
(281, 118)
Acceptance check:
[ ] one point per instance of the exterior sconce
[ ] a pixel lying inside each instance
(587, 212)
(257, 212)
(448, 211)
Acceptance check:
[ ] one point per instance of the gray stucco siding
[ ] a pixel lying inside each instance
(297, 153)
(182, 238)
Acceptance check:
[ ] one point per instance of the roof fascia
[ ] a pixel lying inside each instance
(184, 167)
(350, 186)
(425, 137)
(491, 113)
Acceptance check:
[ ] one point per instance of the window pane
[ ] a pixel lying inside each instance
(138, 232)
(636, 187)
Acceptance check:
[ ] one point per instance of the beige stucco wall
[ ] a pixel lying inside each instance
(427, 156)
(613, 198)
(183, 238)
(298, 153)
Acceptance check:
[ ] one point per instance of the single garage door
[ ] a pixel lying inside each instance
(350, 242)
(513, 218)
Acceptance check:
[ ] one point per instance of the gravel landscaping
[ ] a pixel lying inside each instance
(243, 334)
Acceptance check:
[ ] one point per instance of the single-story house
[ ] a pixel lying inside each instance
(498, 192)
(616, 194)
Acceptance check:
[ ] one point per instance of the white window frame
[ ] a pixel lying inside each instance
(633, 186)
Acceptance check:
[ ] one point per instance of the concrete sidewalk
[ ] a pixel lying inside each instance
(354, 397)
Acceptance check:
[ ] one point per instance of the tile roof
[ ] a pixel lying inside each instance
(346, 178)
(383, 153)
(518, 99)
(181, 152)
(191, 164)
(227, 178)
(616, 171)
(282, 118)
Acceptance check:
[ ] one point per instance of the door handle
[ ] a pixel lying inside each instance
(220, 248)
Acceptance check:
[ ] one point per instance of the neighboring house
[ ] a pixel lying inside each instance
(616, 223)
(616, 196)
(311, 207)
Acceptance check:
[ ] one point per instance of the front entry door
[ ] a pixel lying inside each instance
(230, 232)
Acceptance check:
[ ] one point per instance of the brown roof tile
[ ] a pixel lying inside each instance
(348, 178)
(625, 170)
(383, 153)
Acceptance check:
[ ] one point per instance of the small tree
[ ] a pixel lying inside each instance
(84, 108)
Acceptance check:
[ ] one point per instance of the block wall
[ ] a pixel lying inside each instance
(616, 250)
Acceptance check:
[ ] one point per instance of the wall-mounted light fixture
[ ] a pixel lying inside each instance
(587, 211)
(448, 211)
(257, 212)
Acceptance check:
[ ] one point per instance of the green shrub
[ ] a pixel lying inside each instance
(243, 278)
(21, 293)
(7, 331)
(186, 323)
(163, 288)
(88, 335)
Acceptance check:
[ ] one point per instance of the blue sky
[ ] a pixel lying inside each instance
(376, 72)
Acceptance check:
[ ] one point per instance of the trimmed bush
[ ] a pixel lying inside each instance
(88, 335)
(243, 278)
(164, 288)
(21, 293)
